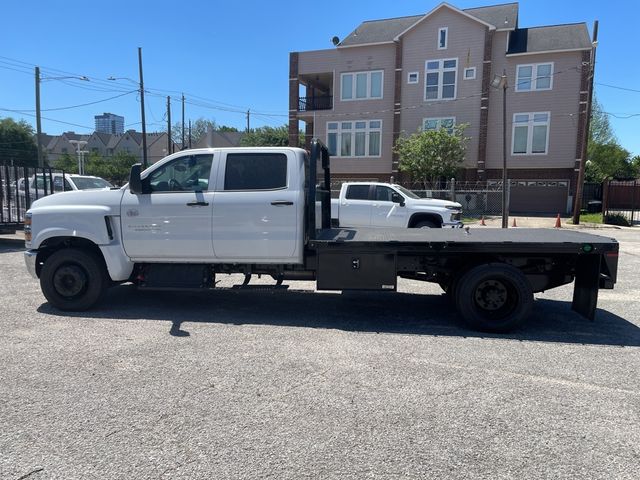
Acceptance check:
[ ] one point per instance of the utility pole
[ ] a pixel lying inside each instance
(144, 125)
(505, 212)
(169, 142)
(38, 122)
(577, 204)
(189, 133)
(182, 144)
(248, 115)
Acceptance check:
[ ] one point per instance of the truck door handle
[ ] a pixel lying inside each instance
(197, 204)
(280, 203)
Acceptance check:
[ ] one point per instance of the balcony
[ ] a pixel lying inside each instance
(309, 104)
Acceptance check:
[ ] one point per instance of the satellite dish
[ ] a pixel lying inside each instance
(335, 41)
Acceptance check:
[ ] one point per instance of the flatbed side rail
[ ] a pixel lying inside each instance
(319, 154)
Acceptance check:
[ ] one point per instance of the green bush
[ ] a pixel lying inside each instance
(617, 219)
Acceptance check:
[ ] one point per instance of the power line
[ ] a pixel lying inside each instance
(80, 105)
(617, 87)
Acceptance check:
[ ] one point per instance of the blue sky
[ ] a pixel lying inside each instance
(232, 56)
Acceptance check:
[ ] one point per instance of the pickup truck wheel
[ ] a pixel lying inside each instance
(425, 224)
(494, 298)
(73, 279)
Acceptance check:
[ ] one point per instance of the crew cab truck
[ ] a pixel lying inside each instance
(374, 204)
(200, 213)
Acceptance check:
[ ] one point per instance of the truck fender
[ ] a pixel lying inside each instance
(419, 216)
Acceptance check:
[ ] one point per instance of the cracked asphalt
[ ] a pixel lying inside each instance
(303, 384)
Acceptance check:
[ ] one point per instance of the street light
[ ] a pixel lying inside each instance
(38, 119)
(141, 89)
(80, 153)
(497, 82)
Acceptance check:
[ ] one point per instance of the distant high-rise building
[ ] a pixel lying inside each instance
(109, 123)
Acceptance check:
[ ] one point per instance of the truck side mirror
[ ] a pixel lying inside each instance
(135, 182)
(397, 198)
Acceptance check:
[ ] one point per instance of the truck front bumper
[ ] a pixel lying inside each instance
(453, 225)
(30, 257)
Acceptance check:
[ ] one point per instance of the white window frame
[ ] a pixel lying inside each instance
(446, 38)
(530, 124)
(441, 70)
(353, 86)
(352, 131)
(439, 120)
(464, 75)
(534, 77)
(417, 74)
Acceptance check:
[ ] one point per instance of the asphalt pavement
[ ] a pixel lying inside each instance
(294, 383)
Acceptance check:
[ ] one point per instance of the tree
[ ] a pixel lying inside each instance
(17, 143)
(226, 128)
(115, 169)
(267, 137)
(199, 129)
(600, 131)
(67, 163)
(428, 156)
(610, 160)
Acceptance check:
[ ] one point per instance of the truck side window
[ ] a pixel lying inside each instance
(184, 174)
(384, 194)
(358, 192)
(255, 171)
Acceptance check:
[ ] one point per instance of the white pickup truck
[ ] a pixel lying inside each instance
(206, 212)
(367, 204)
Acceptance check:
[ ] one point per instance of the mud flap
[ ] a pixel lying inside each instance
(585, 291)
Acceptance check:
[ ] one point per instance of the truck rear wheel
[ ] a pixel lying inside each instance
(73, 279)
(494, 297)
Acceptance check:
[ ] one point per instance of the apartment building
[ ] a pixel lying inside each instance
(396, 76)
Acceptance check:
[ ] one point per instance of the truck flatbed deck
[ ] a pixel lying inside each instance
(530, 240)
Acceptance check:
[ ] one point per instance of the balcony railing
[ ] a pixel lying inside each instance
(308, 104)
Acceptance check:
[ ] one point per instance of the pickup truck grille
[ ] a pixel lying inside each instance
(456, 216)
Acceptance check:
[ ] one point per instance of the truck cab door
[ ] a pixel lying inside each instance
(385, 212)
(172, 221)
(355, 206)
(259, 207)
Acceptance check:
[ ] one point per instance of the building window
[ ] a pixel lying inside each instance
(440, 81)
(413, 77)
(361, 138)
(361, 85)
(443, 35)
(536, 76)
(447, 123)
(470, 73)
(530, 133)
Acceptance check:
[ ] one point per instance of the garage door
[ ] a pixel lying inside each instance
(539, 196)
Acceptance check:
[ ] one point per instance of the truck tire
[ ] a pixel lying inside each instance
(73, 279)
(494, 298)
(425, 224)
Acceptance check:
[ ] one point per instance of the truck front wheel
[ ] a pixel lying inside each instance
(73, 279)
(494, 297)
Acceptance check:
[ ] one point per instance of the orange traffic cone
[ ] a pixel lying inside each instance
(558, 224)
(514, 222)
(482, 222)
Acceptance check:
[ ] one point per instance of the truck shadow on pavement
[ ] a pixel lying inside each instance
(366, 312)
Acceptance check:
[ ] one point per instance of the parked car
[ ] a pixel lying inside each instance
(373, 204)
(40, 185)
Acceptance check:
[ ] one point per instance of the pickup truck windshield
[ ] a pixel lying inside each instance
(406, 192)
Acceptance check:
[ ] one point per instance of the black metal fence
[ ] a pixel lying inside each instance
(621, 202)
(21, 186)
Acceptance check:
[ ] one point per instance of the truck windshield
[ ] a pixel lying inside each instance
(406, 192)
(87, 183)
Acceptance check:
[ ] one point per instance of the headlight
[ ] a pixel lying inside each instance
(27, 227)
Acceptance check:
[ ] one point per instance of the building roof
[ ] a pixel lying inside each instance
(376, 31)
(382, 31)
(544, 39)
(503, 16)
